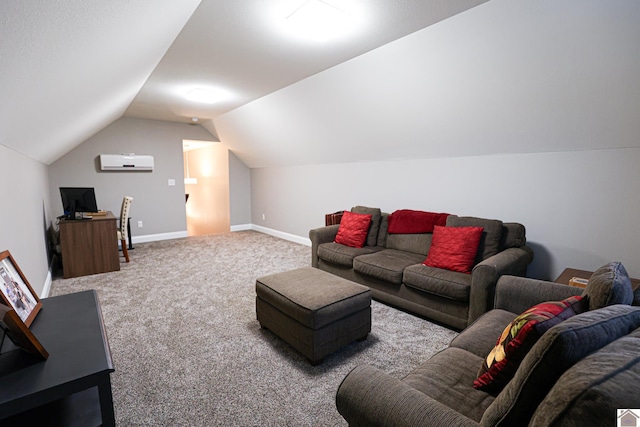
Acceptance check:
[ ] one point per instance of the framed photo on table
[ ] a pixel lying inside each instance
(15, 291)
(19, 333)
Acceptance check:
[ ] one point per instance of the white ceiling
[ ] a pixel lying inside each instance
(507, 77)
(240, 46)
(70, 68)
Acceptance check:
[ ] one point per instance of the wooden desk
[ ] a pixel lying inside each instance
(73, 386)
(89, 246)
(568, 273)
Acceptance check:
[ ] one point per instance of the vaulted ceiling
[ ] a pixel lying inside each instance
(70, 68)
(413, 79)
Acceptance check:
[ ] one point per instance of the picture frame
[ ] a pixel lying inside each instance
(15, 290)
(19, 333)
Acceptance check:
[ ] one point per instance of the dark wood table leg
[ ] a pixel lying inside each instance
(106, 402)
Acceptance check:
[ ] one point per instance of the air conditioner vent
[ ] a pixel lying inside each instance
(126, 162)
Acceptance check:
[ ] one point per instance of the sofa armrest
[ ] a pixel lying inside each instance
(319, 236)
(516, 294)
(485, 275)
(370, 397)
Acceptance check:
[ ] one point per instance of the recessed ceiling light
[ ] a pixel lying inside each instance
(319, 20)
(206, 96)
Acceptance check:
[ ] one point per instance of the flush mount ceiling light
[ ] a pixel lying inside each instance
(206, 96)
(318, 20)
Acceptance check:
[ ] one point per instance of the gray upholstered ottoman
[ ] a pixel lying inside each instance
(314, 311)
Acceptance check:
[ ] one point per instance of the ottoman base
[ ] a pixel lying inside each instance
(314, 344)
(314, 311)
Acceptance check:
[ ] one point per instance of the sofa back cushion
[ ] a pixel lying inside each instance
(382, 232)
(491, 235)
(372, 236)
(592, 390)
(414, 243)
(556, 351)
(610, 284)
(514, 235)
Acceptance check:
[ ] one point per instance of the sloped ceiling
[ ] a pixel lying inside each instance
(506, 77)
(242, 46)
(70, 68)
(420, 78)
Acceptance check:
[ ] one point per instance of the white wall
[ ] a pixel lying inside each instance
(159, 206)
(239, 191)
(25, 215)
(579, 208)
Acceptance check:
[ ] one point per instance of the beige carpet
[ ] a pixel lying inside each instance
(188, 350)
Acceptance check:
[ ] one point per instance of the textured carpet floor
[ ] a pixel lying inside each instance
(188, 350)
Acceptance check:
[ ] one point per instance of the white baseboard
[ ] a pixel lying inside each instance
(241, 227)
(282, 235)
(159, 236)
(47, 285)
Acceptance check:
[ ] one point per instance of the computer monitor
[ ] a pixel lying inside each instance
(78, 199)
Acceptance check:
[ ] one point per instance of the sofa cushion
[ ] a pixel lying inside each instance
(444, 283)
(447, 378)
(479, 337)
(610, 284)
(353, 229)
(592, 390)
(414, 243)
(513, 235)
(558, 349)
(491, 236)
(519, 336)
(343, 255)
(372, 235)
(382, 232)
(386, 265)
(407, 221)
(454, 248)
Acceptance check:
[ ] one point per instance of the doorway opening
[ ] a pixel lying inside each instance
(206, 184)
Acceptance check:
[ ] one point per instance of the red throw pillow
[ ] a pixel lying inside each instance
(454, 248)
(353, 229)
(407, 221)
(519, 336)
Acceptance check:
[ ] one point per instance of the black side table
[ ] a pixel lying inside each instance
(73, 386)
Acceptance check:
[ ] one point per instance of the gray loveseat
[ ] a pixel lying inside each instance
(391, 265)
(579, 372)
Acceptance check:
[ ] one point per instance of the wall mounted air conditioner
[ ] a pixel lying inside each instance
(126, 162)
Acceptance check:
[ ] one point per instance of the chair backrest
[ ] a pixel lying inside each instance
(124, 214)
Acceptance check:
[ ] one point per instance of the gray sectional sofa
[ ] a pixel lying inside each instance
(579, 372)
(391, 265)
